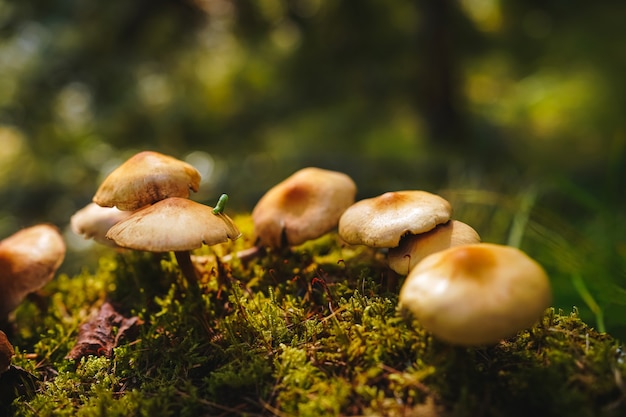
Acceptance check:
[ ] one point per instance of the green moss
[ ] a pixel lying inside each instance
(312, 331)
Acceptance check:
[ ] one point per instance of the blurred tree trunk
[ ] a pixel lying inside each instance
(438, 96)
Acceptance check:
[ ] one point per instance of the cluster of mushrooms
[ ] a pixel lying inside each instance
(144, 205)
(461, 290)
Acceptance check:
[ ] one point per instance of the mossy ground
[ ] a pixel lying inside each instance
(313, 331)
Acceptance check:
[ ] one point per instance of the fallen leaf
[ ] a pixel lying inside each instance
(102, 333)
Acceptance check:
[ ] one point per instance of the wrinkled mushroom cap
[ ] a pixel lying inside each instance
(414, 248)
(146, 178)
(6, 352)
(28, 260)
(304, 206)
(381, 221)
(476, 294)
(173, 224)
(93, 222)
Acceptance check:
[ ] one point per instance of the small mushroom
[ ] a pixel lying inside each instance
(93, 222)
(146, 178)
(28, 260)
(174, 224)
(6, 352)
(414, 248)
(381, 221)
(304, 206)
(476, 294)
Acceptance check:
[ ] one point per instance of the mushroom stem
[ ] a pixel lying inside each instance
(186, 266)
(392, 278)
(245, 255)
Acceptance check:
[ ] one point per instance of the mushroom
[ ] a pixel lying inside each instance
(146, 178)
(476, 294)
(414, 248)
(6, 352)
(28, 260)
(175, 224)
(381, 221)
(304, 206)
(93, 222)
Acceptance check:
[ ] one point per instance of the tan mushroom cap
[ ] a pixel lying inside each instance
(173, 224)
(304, 206)
(146, 178)
(93, 222)
(381, 221)
(6, 352)
(476, 294)
(414, 248)
(28, 260)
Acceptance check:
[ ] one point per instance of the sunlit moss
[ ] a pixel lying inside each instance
(310, 331)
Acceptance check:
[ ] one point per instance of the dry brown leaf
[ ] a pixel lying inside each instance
(102, 333)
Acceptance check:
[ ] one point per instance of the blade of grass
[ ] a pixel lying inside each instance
(521, 216)
(584, 293)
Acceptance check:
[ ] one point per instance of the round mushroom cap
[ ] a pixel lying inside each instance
(414, 248)
(6, 352)
(304, 206)
(28, 260)
(381, 221)
(174, 224)
(93, 222)
(476, 294)
(146, 178)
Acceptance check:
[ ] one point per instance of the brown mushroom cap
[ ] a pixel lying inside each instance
(304, 206)
(93, 222)
(146, 178)
(28, 260)
(414, 248)
(6, 352)
(381, 221)
(476, 294)
(173, 224)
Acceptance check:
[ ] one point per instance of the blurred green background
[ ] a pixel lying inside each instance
(514, 110)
